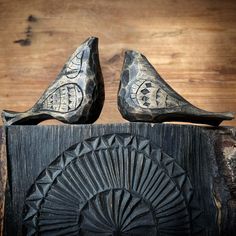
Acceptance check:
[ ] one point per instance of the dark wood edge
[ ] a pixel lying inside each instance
(3, 175)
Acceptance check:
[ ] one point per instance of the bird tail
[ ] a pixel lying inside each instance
(225, 115)
(220, 116)
(214, 118)
(11, 117)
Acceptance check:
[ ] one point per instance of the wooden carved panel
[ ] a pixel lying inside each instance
(121, 179)
(113, 183)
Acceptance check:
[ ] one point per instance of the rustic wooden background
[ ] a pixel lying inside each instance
(191, 43)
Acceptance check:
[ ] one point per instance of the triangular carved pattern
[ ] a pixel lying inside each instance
(107, 167)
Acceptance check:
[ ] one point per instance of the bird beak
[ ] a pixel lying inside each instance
(132, 54)
(92, 42)
(129, 53)
(129, 58)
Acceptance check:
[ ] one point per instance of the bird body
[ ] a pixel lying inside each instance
(76, 95)
(145, 97)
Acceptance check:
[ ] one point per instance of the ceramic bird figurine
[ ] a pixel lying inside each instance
(145, 97)
(76, 95)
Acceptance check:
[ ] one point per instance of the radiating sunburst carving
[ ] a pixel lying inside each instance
(117, 211)
(112, 185)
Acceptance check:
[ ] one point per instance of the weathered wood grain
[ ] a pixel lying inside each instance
(206, 154)
(191, 43)
(3, 175)
(226, 161)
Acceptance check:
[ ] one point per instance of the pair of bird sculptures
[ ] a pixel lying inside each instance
(77, 94)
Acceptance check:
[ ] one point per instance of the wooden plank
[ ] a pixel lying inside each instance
(204, 158)
(3, 175)
(191, 43)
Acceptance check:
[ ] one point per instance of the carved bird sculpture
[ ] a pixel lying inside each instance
(76, 95)
(145, 97)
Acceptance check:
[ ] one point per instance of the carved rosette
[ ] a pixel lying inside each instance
(112, 185)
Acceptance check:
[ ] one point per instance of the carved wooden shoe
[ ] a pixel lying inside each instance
(144, 96)
(76, 96)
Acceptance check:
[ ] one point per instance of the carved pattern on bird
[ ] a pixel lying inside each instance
(148, 94)
(64, 99)
(74, 66)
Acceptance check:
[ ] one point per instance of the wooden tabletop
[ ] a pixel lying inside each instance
(191, 43)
